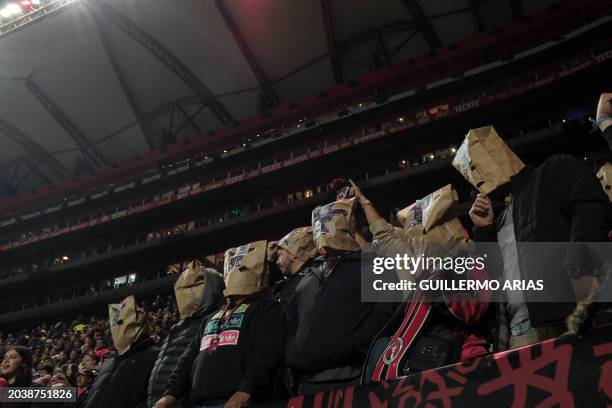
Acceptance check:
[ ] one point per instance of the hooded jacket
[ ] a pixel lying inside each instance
(180, 336)
(122, 382)
(330, 328)
(245, 359)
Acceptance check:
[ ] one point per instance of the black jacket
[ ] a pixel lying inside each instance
(330, 329)
(284, 290)
(180, 336)
(122, 382)
(559, 201)
(245, 360)
(607, 134)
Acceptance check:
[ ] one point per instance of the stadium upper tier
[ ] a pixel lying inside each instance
(540, 31)
(373, 119)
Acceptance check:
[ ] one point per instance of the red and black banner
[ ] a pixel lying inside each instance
(562, 372)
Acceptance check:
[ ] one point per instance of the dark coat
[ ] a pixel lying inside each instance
(246, 359)
(330, 328)
(559, 201)
(122, 382)
(607, 134)
(180, 336)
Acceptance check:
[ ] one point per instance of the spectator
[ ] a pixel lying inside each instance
(233, 359)
(84, 380)
(456, 328)
(327, 309)
(558, 201)
(90, 361)
(294, 254)
(132, 366)
(604, 117)
(16, 367)
(199, 292)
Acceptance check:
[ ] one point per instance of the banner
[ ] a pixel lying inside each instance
(564, 372)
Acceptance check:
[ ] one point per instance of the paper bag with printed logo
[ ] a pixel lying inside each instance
(432, 218)
(334, 227)
(300, 243)
(189, 288)
(245, 269)
(605, 178)
(126, 323)
(485, 160)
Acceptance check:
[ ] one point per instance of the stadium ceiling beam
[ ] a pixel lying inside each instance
(425, 27)
(478, 21)
(383, 46)
(260, 75)
(169, 106)
(105, 10)
(189, 120)
(517, 9)
(34, 149)
(143, 122)
(332, 48)
(398, 26)
(89, 152)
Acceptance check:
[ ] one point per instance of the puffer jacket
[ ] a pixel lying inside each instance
(180, 336)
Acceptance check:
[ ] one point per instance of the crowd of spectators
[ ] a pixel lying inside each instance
(61, 350)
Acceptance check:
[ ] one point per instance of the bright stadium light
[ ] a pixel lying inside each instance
(11, 10)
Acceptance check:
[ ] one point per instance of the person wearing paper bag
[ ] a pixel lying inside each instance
(456, 328)
(557, 201)
(330, 329)
(123, 381)
(233, 360)
(295, 254)
(603, 119)
(605, 178)
(294, 257)
(198, 292)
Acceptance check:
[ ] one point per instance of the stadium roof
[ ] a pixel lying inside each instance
(85, 83)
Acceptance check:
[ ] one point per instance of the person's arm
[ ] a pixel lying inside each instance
(604, 116)
(389, 240)
(370, 211)
(482, 215)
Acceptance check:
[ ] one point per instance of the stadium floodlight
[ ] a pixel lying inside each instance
(35, 2)
(10, 10)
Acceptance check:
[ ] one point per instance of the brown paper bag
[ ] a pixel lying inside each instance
(605, 178)
(430, 209)
(189, 289)
(126, 323)
(485, 160)
(333, 227)
(300, 243)
(245, 269)
(431, 219)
